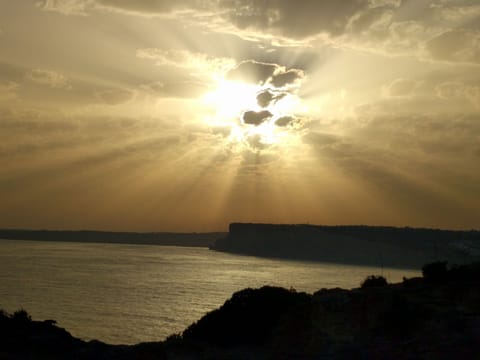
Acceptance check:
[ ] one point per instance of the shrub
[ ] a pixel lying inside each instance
(21, 315)
(374, 281)
(248, 317)
(435, 272)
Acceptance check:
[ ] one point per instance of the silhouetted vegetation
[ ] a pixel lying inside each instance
(436, 271)
(247, 318)
(374, 281)
(21, 316)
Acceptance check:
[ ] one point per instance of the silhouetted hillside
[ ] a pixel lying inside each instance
(160, 238)
(370, 245)
(435, 317)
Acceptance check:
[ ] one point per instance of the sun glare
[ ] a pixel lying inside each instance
(257, 115)
(231, 98)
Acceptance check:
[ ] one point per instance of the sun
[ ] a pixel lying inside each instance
(231, 98)
(257, 115)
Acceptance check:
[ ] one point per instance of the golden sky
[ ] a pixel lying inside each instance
(186, 115)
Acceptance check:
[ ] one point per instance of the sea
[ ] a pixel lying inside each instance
(126, 294)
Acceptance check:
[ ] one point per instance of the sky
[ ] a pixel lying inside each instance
(186, 115)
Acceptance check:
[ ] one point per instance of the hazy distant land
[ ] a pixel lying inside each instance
(355, 244)
(89, 236)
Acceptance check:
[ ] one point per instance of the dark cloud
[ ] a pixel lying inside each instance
(252, 71)
(296, 19)
(285, 78)
(255, 72)
(284, 121)
(256, 118)
(265, 98)
(383, 25)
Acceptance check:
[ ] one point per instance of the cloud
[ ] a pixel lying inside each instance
(450, 90)
(473, 94)
(29, 132)
(401, 87)
(440, 30)
(185, 59)
(144, 6)
(67, 7)
(8, 90)
(155, 7)
(261, 73)
(404, 159)
(464, 14)
(455, 46)
(282, 79)
(256, 118)
(299, 19)
(147, 8)
(178, 89)
(284, 121)
(370, 20)
(296, 19)
(49, 78)
(265, 98)
(456, 90)
(252, 71)
(255, 144)
(114, 96)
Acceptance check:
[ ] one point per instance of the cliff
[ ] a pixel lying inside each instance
(368, 245)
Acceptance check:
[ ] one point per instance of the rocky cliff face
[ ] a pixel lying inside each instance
(387, 246)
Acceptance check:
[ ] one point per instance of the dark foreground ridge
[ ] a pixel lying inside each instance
(434, 317)
(89, 236)
(365, 245)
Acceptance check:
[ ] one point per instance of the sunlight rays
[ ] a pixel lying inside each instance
(254, 123)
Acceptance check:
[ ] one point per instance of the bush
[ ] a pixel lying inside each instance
(21, 315)
(248, 318)
(435, 272)
(374, 281)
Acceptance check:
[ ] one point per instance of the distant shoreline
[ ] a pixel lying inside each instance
(108, 237)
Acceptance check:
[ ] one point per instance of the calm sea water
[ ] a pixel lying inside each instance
(125, 294)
